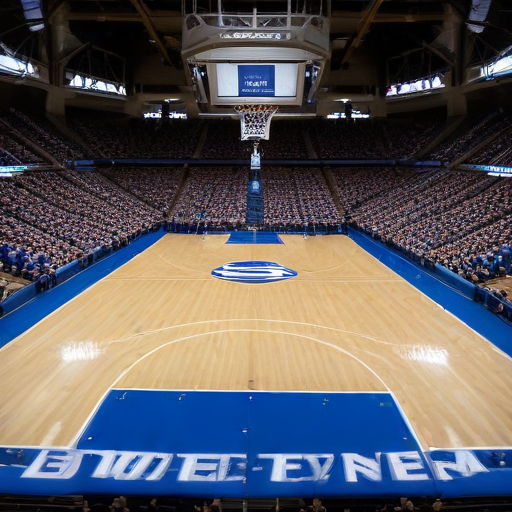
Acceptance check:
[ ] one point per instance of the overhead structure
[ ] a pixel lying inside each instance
(148, 23)
(365, 22)
(253, 58)
(312, 53)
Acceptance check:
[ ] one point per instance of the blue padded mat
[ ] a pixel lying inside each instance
(253, 237)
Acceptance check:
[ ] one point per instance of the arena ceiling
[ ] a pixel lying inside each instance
(373, 42)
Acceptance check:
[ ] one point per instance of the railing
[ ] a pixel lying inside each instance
(247, 22)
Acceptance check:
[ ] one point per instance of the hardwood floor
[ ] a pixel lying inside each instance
(345, 323)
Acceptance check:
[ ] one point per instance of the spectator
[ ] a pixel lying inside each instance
(437, 505)
(153, 507)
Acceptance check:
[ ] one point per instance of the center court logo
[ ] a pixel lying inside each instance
(253, 272)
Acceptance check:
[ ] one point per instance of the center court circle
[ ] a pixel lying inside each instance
(253, 272)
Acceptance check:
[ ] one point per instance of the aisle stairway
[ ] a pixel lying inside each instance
(201, 141)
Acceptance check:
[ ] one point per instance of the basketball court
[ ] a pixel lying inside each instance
(343, 379)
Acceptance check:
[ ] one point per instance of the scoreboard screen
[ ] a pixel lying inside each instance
(258, 83)
(257, 80)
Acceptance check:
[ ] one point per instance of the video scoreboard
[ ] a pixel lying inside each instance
(238, 59)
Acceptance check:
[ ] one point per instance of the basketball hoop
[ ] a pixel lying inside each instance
(255, 120)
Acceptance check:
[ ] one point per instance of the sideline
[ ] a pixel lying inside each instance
(20, 320)
(473, 314)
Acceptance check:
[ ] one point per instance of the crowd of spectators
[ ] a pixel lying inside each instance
(366, 139)
(473, 131)
(24, 262)
(483, 254)
(348, 140)
(14, 152)
(499, 152)
(295, 197)
(140, 138)
(42, 133)
(105, 503)
(341, 139)
(406, 140)
(357, 185)
(215, 197)
(286, 141)
(223, 141)
(500, 303)
(155, 186)
(182, 504)
(6, 158)
(49, 219)
(459, 220)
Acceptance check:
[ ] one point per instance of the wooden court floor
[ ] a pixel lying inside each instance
(345, 323)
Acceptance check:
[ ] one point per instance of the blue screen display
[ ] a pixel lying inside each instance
(256, 80)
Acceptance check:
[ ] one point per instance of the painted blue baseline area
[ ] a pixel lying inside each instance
(254, 237)
(251, 444)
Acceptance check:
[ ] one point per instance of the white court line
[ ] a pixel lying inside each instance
(497, 349)
(67, 448)
(77, 437)
(405, 418)
(412, 431)
(313, 280)
(30, 447)
(81, 431)
(335, 347)
(201, 322)
(484, 448)
(493, 346)
(431, 449)
(254, 391)
(75, 297)
(399, 279)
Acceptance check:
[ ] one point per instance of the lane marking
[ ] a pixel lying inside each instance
(251, 391)
(412, 430)
(81, 431)
(259, 320)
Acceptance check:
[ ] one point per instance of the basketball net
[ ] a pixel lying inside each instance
(255, 120)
